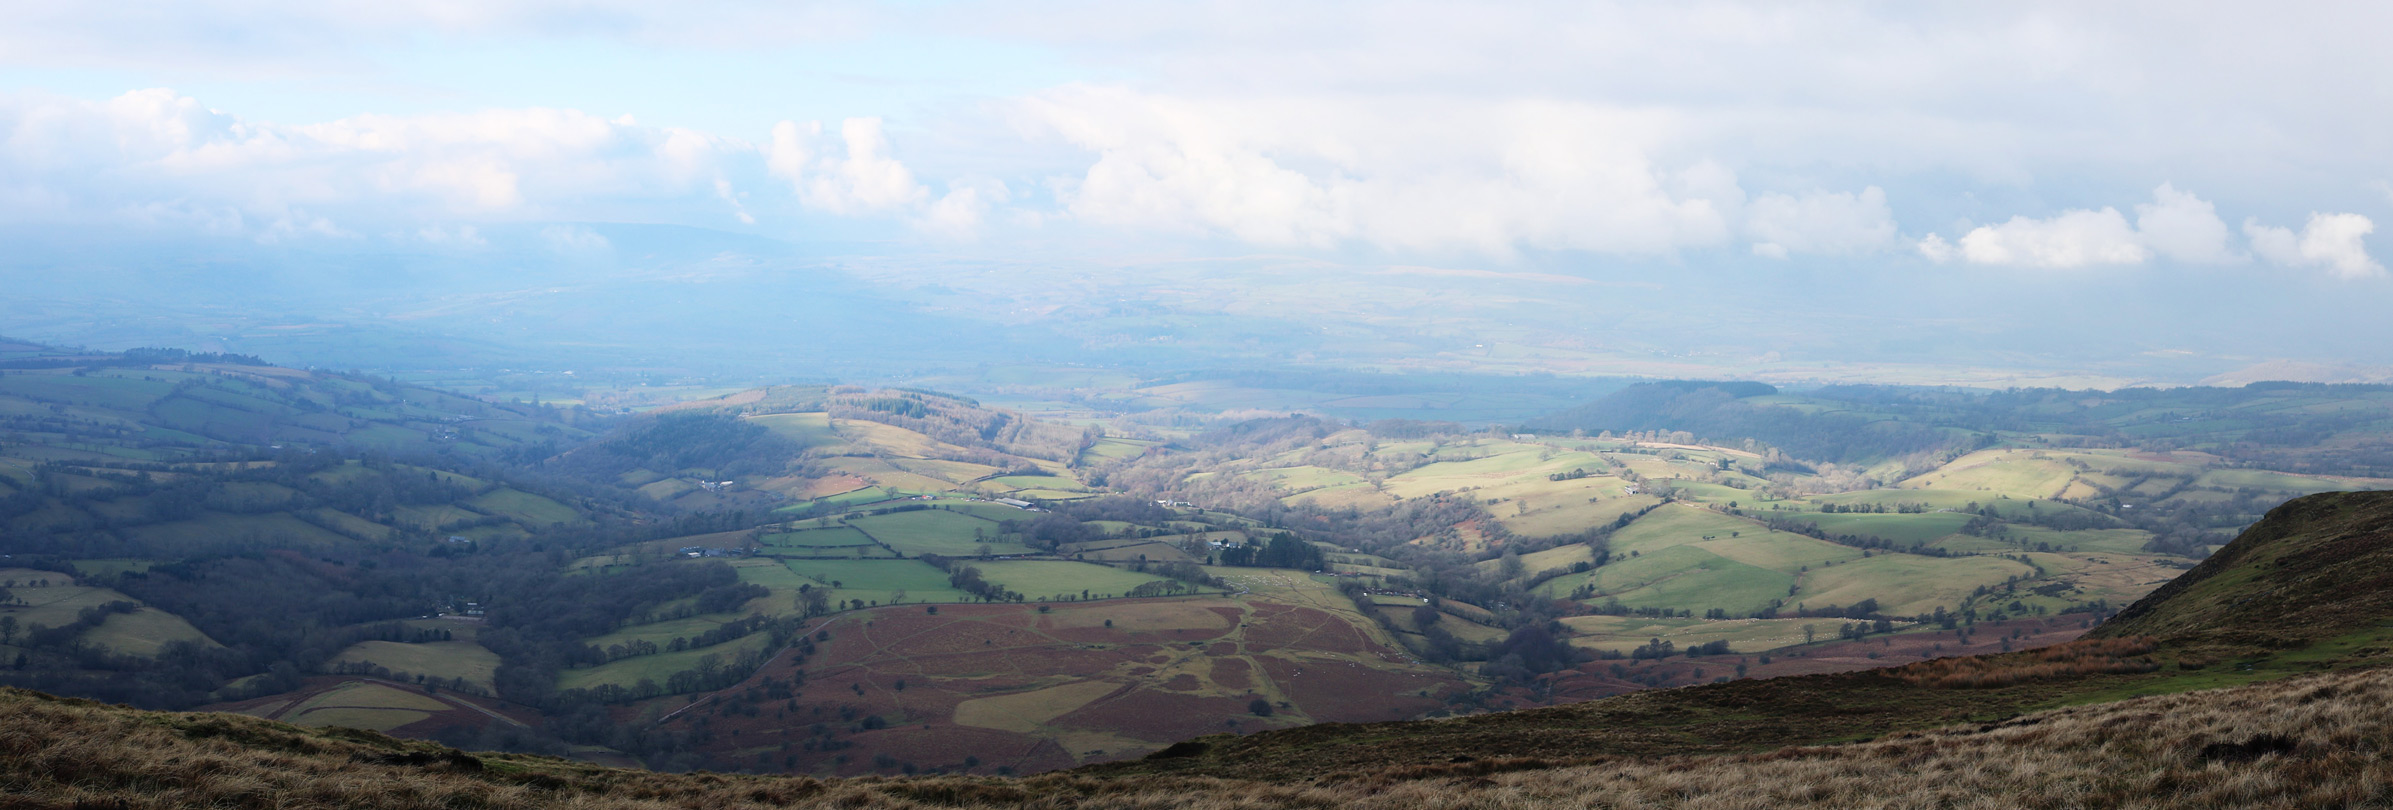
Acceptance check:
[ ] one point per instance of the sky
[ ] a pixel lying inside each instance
(2189, 158)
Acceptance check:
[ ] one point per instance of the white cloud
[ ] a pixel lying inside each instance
(1485, 177)
(1937, 250)
(2073, 239)
(731, 196)
(865, 179)
(157, 158)
(1838, 223)
(2181, 226)
(2332, 241)
(462, 236)
(858, 177)
(961, 212)
(789, 154)
(2176, 225)
(575, 239)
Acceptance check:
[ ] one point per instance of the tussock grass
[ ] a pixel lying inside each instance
(2311, 741)
(2106, 656)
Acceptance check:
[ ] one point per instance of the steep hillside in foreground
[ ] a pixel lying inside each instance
(2317, 568)
(2061, 726)
(2303, 742)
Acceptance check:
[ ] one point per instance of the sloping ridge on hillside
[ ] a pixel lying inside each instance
(2301, 742)
(2316, 568)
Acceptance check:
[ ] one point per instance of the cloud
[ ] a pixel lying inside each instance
(299, 37)
(575, 239)
(865, 179)
(960, 213)
(1937, 250)
(158, 158)
(1488, 177)
(2176, 225)
(466, 236)
(1823, 223)
(2332, 241)
(2073, 239)
(2181, 226)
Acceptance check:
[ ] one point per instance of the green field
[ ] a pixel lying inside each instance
(1679, 577)
(55, 605)
(217, 527)
(1724, 535)
(1052, 494)
(664, 632)
(443, 659)
(349, 524)
(1904, 583)
(866, 495)
(363, 705)
(1625, 633)
(98, 390)
(2021, 538)
(523, 507)
(1573, 512)
(1538, 562)
(935, 531)
(1903, 530)
(1038, 482)
(769, 573)
(2016, 473)
(818, 540)
(1043, 579)
(103, 568)
(145, 632)
(987, 511)
(430, 518)
(878, 580)
(657, 668)
(1305, 479)
(807, 429)
(1111, 448)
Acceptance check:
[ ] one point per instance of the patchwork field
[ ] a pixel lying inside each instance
(981, 688)
(935, 531)
(440, 659)
(1042, 580)
(1622, 634)
(378, 705)
(145, 632)
(658, 668)
(878, 581)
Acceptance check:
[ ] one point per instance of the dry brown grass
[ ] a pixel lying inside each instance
(2092, 656)
(2313, 741)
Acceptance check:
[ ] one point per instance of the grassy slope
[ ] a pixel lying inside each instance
(2276, 745)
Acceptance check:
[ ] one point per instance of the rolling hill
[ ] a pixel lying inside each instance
(2135, 716)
